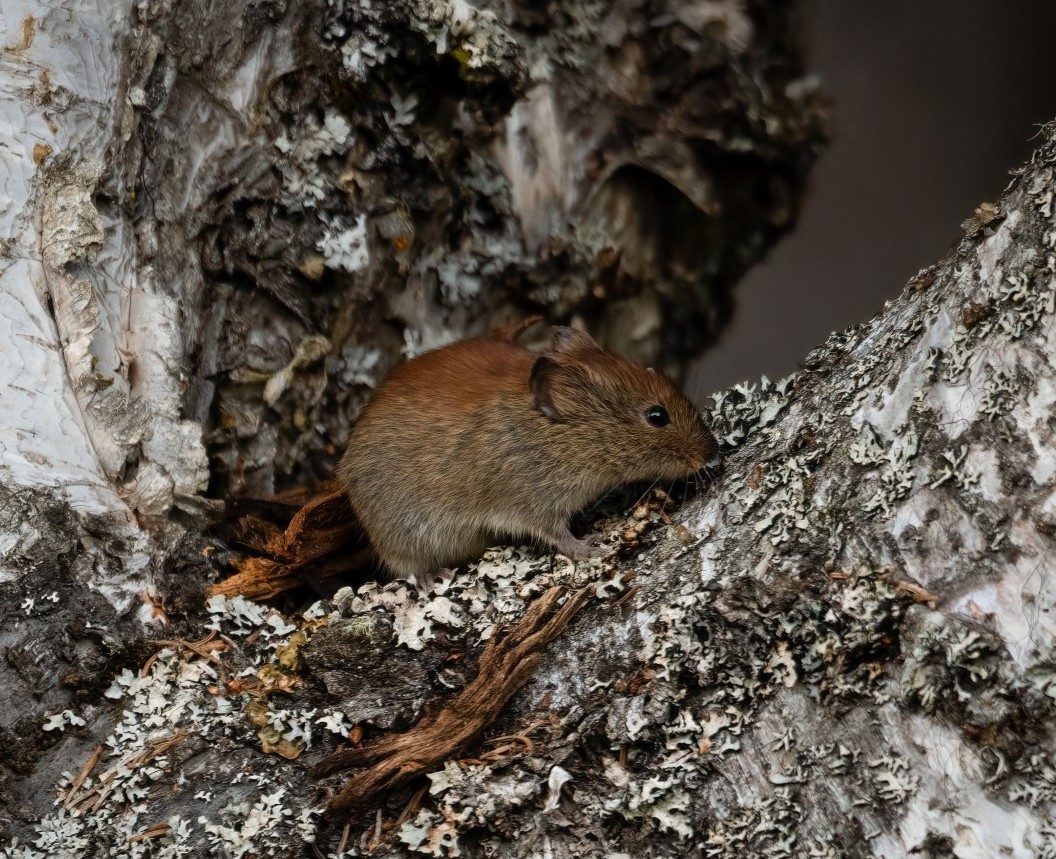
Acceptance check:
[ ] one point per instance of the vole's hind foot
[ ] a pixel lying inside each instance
(423, 572)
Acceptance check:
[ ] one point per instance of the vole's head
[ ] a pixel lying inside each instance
(628, 421)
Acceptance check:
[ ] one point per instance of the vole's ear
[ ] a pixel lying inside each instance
(545, 382)
(569, 341)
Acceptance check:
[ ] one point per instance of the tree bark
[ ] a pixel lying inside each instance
(226, 221)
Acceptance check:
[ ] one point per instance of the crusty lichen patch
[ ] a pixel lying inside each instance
(187, 700)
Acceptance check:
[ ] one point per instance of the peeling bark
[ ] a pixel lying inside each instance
(226, 221)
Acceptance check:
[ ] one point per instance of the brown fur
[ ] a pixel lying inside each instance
(484, 439)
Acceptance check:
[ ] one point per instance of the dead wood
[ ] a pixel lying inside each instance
(322, 540)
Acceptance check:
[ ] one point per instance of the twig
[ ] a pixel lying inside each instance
(344, 839)
(411, 807)
(156, 830)
(75, 785)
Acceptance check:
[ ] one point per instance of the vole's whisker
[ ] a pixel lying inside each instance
(641, 498)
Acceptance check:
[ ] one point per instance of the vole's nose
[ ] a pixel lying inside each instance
(712, 468)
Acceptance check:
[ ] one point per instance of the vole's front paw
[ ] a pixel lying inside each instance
(427, 581)
(579, 550)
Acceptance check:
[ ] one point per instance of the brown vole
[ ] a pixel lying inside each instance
(485, 439)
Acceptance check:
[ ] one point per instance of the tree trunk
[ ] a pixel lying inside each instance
(226, 221)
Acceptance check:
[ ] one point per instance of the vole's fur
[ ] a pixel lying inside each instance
(484, 439)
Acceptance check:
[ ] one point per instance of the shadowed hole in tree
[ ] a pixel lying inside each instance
(662, 262)
(662, 234)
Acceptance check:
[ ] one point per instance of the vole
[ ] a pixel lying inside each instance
(486, 439)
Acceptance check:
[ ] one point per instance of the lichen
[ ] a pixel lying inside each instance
(345, 247)
(743, 410)
(892, 466)
(304, 146)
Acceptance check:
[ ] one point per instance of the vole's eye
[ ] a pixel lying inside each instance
(657, 416)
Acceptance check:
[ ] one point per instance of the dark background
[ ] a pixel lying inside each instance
(933, 103)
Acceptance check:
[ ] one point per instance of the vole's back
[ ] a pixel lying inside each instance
(435, 458)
